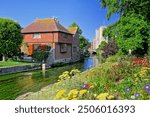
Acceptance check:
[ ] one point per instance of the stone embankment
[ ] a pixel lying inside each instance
(17, 69)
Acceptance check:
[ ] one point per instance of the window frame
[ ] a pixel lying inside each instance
(63, 48)
(37, 35)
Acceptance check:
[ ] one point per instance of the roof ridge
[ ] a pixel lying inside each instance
(45, 25)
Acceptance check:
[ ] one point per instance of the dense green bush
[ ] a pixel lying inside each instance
(102, 45)
(40, 56)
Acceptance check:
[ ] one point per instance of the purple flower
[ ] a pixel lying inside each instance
(84, 86)
(148, 91)
(147, 87)
(127, 89)
(137, 95)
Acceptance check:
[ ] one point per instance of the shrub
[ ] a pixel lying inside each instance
(115, 58)
(67, 75)
(40, 56)
(110, 49)
(102, 45)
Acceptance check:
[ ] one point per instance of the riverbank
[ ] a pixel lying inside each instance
(17, 69)
(12, 63)
(129, 79)
(14, 85)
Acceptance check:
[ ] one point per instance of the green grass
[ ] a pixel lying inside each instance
(13, 63)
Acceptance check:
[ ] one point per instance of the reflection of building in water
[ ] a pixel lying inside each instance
(95, 61)
(43, 73)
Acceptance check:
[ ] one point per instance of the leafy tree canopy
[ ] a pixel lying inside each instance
(10, 37)
(74, 24)
(132, 31)
(125, 6)
(110, 31)
(84, 44)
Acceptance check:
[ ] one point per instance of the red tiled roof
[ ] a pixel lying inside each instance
(73, 30)
(45, 25)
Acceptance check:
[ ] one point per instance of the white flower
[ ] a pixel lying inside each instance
(133, 97)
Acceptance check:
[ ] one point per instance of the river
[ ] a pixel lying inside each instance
(13, 85)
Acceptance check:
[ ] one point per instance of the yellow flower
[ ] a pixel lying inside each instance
(75, 99)
(73, 94)
(82, 92)
(60, 94)
(102, 96)
(64, 98)
(110, 97)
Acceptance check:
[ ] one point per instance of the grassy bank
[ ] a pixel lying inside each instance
(128, 79)
(13, 63)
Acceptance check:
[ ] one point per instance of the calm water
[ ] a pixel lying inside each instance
(14, 85)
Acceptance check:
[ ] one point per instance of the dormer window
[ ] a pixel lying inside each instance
(36, 35)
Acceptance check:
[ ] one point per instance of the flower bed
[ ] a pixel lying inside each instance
(128, 79)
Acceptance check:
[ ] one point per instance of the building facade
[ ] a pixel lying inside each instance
(99, 37)
(49, 35)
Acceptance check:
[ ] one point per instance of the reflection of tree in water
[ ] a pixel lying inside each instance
(25, 82)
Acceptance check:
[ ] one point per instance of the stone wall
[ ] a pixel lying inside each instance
(16, 69)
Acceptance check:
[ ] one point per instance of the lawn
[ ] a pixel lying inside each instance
(13, 63)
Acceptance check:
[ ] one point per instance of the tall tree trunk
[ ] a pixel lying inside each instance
(4, 58)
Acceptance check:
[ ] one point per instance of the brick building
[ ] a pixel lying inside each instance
(49, 35)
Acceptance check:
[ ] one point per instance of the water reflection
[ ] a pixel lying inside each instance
(90, 62)
(43, 73)
(14, 85)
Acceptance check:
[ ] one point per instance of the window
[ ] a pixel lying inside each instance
(36, 35)
(74, 49)
(63, 47)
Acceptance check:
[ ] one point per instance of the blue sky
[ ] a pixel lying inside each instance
(88, 14)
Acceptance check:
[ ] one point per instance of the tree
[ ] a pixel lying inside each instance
(125, 6)
(109, 49)
(110, 31)
(132, 33)
(84, 44)
(132, 30)
(10, 37)
(102, 45)
(74, 24)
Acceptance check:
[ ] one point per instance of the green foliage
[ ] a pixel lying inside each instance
(12, 63)
(110, 32)
(102, 45)
(74, 72)
(74, 24)
(115, 58)
(67, 75)
(132, 33)
(125, 6)
(110, 49)
(40, 56)
(84, 44)
(10, 37)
